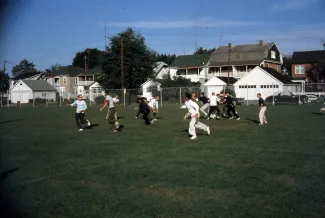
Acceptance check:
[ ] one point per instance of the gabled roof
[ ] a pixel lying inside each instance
(150, 80)
(186, 61)
(92, 71)
(252, 54)
(66, 71)
(26, 75)
(38, 85)
(232, 80)
(277, 75)
(308, 57)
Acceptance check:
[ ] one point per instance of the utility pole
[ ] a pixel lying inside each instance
(122, 68)
(4, 67)
(229, 47)
(85, 58)
(105, 36)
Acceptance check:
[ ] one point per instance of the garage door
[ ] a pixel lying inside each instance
(23, 97)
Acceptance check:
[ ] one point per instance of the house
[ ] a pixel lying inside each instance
(149, 87)
(302, 61)
(160, 70)
(26, 76)
(217, 84)
(71, 81)
(266, 81)
(25, 90)
(95, 90)
(193, 67)
(240, 59)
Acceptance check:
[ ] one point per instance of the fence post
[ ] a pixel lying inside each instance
(273, 93)
(46, 101)
(180, 96)
(161, 97)
(60, 99)
(89, 94)
(124, 92)
(1, 97)
(299, 97)
(246, 94)
(7, 98)
(33, 99)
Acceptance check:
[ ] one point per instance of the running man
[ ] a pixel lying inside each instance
(214, 100)
(145, 110)
(231, 107)
(116, 100)
(111, 113)
(262, 108)
(205, 104)
(194, 113)
(153, 106)
(80, 112)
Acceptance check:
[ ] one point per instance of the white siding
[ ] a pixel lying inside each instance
(20, 92)
(45, 95)
(146, 92)
(257, 81)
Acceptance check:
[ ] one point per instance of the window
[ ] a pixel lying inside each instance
(277, 68)
(273, 55)
(300, 69)
(65, 80)
(62, 90)
(43, 94)
(75, 80)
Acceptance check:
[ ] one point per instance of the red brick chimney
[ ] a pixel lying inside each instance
(229, 45)
(261, 43)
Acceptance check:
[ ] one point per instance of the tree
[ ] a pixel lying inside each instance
(138, 61)
(316, 73)
(52, 68)
(201, 50)
(23, 67)
(286, 66)
(96, 58)
(166, 58)
(4, 82)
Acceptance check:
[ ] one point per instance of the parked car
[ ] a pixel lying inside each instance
(287, 98)
(312, 97)
(321, 99)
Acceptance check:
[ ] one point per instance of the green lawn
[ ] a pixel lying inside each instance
(241, 170)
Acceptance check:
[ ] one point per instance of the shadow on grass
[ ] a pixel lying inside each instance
(186, 130)
(254, 121)
(318, 113)
(6, 173)
(91, 126)
(121, 127)
(10, 121)
(120, 117)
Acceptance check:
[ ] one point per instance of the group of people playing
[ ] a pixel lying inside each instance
(146, 108)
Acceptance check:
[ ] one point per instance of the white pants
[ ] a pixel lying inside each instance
(196, 124)
(262, 115)
(203, 108)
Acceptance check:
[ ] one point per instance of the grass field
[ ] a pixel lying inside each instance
(241, 170)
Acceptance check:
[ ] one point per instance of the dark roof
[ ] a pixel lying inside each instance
(252, 54)
(92, 71)
(66, 71)
(232, 80)
(308, 57)
(39, 85)
(278, 76)
(185, 61)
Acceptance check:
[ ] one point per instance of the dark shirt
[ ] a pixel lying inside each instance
(204, 100)
(261, 102)
(143, 107)
(229, 101)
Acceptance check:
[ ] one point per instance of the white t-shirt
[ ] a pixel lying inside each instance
(192, 107)
(116, 100)
(153, 103)
(111, 101)
(213, 100)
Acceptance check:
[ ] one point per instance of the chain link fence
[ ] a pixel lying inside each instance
(168, 95)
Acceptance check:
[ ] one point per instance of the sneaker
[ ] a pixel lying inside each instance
(218, 117)
(238, 118)
(230, 118)
(115, 130)
(81, 130)
(135, 117)
(208, 118)
(261, 124)
(194, 137)
(208, 131)
(88, 122)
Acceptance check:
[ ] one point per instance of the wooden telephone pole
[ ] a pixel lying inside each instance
(229, 47)
(122, 68)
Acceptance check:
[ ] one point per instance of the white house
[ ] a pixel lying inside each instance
(148, 87)
(193, 67)
(26, 76)
(25, 90)
(266, 81)
(217, 85)
(160, 70)
(95, 90)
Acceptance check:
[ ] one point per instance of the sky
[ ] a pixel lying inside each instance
(48, 32)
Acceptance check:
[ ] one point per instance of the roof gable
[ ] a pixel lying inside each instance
(214, 81)
(66, 71)
(240, 54)
(185, 61)
(308, 57)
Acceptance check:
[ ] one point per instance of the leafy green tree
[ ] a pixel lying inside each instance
(166, 58)
(24, 67)
(138, 61)
(52, 68)
(201, 50)
(95, 57)
(4, 82)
